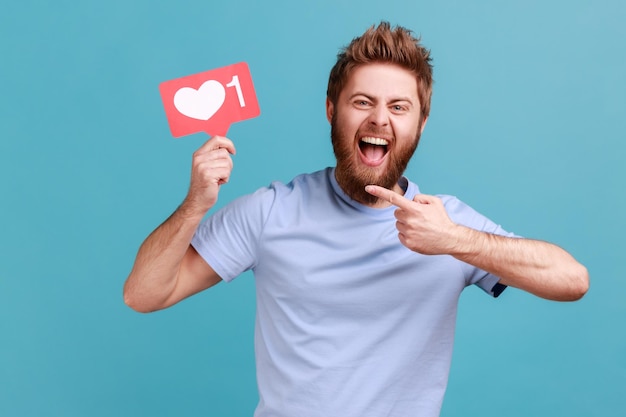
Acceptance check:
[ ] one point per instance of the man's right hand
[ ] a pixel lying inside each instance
(211, 167)
(167, 268)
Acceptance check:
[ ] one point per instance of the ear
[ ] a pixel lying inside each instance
(330, 110)
(423, 125)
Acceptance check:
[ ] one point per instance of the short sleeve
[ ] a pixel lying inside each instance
(228, 240)
(463, 214)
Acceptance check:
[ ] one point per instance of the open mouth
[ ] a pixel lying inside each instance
(373, 150)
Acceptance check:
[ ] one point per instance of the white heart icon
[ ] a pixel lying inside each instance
(202, 103)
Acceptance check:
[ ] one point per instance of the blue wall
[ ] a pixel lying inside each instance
(527, 126)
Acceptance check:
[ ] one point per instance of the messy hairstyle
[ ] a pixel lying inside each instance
(384, 44)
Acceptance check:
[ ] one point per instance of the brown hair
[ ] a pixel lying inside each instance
(383, 44)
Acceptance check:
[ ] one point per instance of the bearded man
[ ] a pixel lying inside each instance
(357, 273)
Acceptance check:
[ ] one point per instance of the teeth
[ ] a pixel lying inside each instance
(375, 141)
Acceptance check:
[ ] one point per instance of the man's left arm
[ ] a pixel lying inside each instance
(538, 267)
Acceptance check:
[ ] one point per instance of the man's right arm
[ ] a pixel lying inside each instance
(167, 268)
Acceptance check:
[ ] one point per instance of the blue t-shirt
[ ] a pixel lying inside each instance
(349, 323)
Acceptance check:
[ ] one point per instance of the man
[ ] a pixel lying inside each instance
(357, 274)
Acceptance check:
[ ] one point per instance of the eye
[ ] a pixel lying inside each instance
(399, 108)
(361, 103)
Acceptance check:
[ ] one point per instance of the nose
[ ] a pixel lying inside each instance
(379, 116)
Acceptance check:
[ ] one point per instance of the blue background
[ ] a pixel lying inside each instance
(527, 126)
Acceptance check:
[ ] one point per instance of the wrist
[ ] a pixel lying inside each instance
(192, 210)
(466, 241)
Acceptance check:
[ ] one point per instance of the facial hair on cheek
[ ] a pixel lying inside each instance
(350, 178)
(353, 178)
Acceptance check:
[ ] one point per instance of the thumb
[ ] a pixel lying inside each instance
(423, 199)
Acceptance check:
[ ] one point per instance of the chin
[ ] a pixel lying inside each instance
(353, 177)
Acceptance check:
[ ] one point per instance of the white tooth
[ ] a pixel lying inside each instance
(375, 141)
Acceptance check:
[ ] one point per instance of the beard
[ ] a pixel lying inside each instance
(353, 176)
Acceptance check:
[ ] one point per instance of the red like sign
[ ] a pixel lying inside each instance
(209, 101)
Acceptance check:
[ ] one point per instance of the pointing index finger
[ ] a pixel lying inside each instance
(389, 195)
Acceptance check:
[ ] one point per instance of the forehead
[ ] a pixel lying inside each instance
(381, 80)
